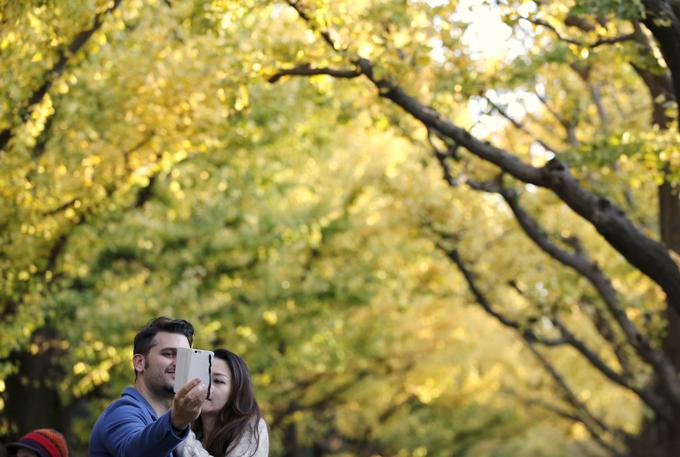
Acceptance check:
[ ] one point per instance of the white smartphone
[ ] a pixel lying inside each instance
(193, 363)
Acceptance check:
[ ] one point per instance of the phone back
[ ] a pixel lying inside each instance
(193, 363)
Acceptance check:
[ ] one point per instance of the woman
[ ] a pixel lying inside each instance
(230, 424)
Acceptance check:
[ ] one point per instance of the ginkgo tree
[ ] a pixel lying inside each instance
(589, 64)
(147, 181)
(158, 158)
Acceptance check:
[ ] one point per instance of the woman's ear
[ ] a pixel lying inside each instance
(138, 362)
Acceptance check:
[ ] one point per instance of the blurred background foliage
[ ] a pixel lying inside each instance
(149, 168)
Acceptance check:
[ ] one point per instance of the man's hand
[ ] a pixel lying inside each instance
(187, 405)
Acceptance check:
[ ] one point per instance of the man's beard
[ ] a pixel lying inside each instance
(169, 389)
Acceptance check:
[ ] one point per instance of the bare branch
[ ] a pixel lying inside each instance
(325, 34)
(611, 374)
(579, 22)
(442, 156)
(583, 71)
(611, 40)
(543, 404)
(588, 419)
(552, 28)
(591, 271)
(567, 338)
(519, 126)
(568, 125)
(307, 70)
(484, 302)
(599, 42)
(604, 328)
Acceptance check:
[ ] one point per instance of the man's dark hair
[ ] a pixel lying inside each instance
(144, 339)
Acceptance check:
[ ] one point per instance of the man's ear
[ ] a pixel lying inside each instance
(138, 363)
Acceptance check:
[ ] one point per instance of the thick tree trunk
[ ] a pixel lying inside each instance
(662, 18)
(292, 446)
(669, 216)
(33, 399)
(659, 439)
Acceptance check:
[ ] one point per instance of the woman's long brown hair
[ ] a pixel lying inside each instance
(240, 415)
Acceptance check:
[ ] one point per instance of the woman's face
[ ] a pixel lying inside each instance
(221, 388)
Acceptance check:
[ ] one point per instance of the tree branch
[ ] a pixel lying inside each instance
(519, 126)
(588, 419)
(307, 70)
(648, 255)
(484, 302)
(583, 71)
(65, 55)
(567, 338)
(663, 20)
(604, 328)
(599, 42)
(442, 156)
(657, 80)
(592, 272)
(568, 125)
(554, 409)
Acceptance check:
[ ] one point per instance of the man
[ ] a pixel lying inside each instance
(141, 422)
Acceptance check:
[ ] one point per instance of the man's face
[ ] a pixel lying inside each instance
(158, 371)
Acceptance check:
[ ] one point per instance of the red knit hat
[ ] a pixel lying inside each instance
(44, 441)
